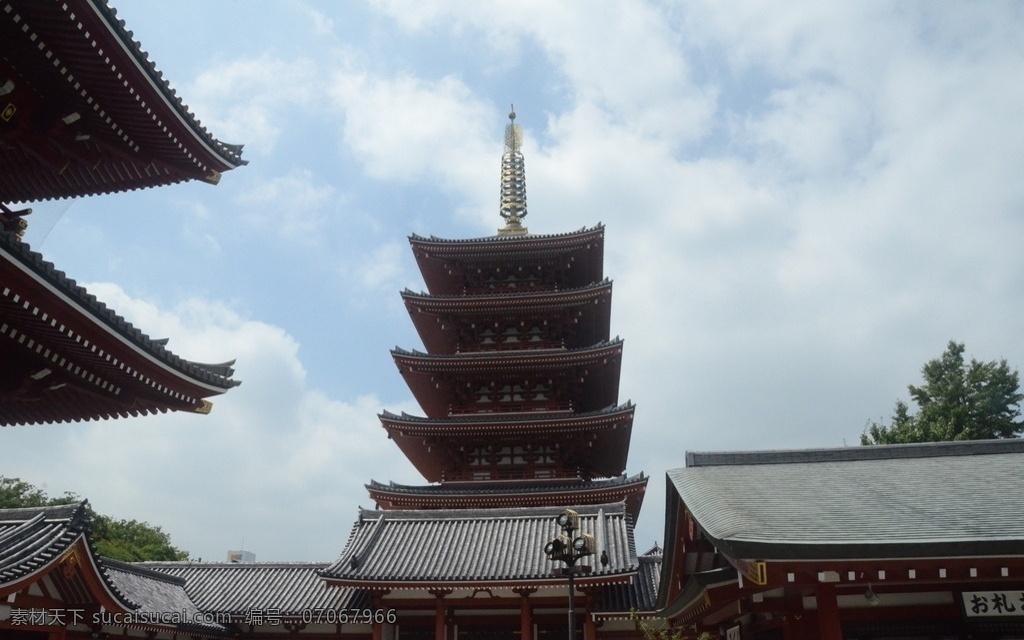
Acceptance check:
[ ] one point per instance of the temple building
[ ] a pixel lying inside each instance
(83, 111)
(890, 541)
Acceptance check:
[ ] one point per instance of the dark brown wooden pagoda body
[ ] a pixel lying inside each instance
(519, 387)
(520, 378)
(83, 111)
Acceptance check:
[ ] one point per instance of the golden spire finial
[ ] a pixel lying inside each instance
(513, 180)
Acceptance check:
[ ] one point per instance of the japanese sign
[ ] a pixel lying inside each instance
(980, 604)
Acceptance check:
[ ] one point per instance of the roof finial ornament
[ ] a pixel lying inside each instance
(513, 180)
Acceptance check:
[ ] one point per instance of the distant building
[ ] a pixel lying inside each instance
(241, 556)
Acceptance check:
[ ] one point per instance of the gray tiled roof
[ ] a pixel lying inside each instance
(961, 498)
(32, 538)
(511, 239)
(498, 421)
(237, 588)
(499, 298)
(155, 592)
(553, 355)
(641, 594)
(502, 486)
(476, 546)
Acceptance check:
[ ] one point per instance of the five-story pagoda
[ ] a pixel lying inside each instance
(519, 387)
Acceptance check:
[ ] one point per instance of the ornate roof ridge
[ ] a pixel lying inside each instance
(31, 537)
(43, 535)
(583, 231)
(156, 565)
(545, 484)
(231, 154)
(508, 293)
(50, 512)
(538, 416)
(218, 375)
(846, 454)
(508, 355)
(655, 552)
(491, 513)
(139, 568)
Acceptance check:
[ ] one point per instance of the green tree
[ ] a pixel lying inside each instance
(126, 540)
(957, 401)
(660, 630)
(15, 493)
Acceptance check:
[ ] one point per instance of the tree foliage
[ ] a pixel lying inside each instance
(957, 401)
(660, 630)
(126, 540)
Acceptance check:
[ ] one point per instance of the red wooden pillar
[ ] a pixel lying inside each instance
(589, 626)
(440, 619)
(378, 627)
(525, 614)
(829, 627)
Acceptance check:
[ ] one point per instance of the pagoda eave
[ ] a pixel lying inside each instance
(437, 382)
(441, 259)
(506, 301)
(438, 449)
(487, 246)
(86, 112)
(67, 357)
(489, 424)
(450, 324)
(501, 494)
(487, 361)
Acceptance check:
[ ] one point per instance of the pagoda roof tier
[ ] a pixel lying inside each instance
(627, 601)
(516, 319)
(579, 380)
(567, 260)
(86, 112)
(558, 444)
(391, 550)
(520, 493)
(67, 357)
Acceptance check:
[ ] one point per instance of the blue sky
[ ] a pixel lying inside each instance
(803, 204)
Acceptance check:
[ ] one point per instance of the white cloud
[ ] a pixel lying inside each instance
(322, 24)
(380, 270)
(250, 100)
(275, 462)
(294, 205)
(409, 129)
(621, 57)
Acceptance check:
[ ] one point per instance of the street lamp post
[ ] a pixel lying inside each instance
(565, 548)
